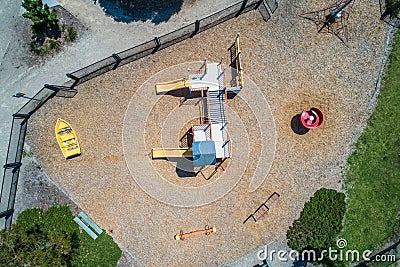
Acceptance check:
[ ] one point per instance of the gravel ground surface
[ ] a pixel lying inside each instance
(293, 66)
(21, 72)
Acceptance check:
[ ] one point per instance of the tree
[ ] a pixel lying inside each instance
(45, 21)
(40, 238)
(51, 238)
(320, 222)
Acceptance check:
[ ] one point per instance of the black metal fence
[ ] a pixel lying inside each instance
(266, 7)
(20, 118)
(390, 14)
(15, 149)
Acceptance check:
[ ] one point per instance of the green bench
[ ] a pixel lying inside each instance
(88, 225)
(265, 263)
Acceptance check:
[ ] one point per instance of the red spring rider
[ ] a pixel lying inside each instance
(312, 118)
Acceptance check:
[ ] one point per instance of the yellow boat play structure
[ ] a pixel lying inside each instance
(67, 139)
(162, 88)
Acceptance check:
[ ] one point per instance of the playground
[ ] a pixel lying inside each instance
(144, 199)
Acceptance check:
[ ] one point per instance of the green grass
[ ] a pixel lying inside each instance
(100, 252)
(373, 171)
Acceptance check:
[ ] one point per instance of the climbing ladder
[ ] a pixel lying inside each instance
(216, 107)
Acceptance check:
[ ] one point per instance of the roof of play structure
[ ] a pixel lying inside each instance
(204, 153)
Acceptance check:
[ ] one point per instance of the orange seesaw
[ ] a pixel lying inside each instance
(207, 231)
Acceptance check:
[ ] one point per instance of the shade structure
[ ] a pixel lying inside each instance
(204, 153)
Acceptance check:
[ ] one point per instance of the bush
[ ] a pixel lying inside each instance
(54, 45)
(40, 238)
(52, 238)
(49, 47)
(71, 35)
(102, 252)
(392, 8)
(320, 222)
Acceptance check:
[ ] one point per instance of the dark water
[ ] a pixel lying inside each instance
(156, 11)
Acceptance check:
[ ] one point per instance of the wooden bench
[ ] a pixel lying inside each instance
(88, 225)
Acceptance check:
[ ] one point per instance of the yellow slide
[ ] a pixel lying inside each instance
(160, 153)
(162, 88)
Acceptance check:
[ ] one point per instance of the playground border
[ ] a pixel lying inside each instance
(20, 118)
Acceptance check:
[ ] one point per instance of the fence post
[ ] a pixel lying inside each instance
(73, 77)
(21, 116)
(258, 4)
(158, 44)
(197, 26)
(243, 6)
(117, 60)
(14, 165)
(6, 213)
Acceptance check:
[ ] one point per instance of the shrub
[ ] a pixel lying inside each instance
(52, 238)
(320, 222)
(71, 35)
(40, 238)
(54, 45)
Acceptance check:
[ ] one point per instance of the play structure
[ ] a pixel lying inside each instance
(171, 153)
(207, 231)
(312, 118)
(264, 208)
(235, 55)
(162, 88)
(333, 19)
(210, 139)
(67, 139)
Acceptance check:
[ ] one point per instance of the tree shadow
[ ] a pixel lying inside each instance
(297, 127)
(140, 10)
